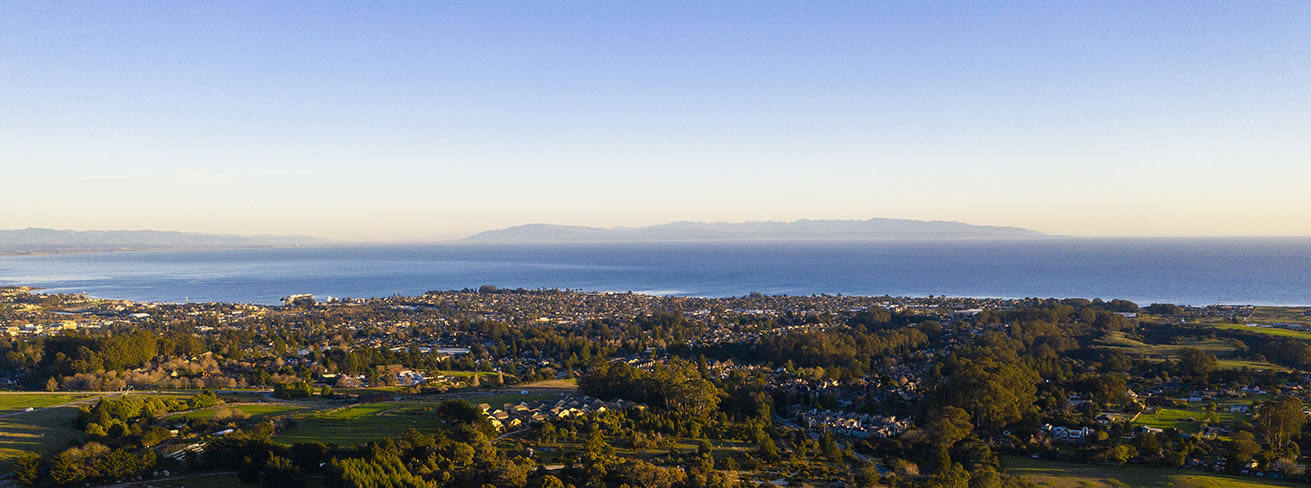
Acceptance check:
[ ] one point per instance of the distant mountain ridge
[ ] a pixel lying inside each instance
(804, 229)
(38, 241)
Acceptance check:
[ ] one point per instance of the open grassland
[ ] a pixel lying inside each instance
(362, 423)
(255, 411)
(1221, 348)
(1281, 315)
(1070, 475)
(40, 432)
(11, 402)
(1271, 331)
(466, 375)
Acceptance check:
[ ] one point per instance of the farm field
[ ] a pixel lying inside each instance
(1069, 475)
(40, 432)
(11, 402)
(362, 423)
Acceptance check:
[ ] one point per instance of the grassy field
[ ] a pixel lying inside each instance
(500, 399)
(1281, 315)
(465, 375)
(1070, 475)
(40, 432)
(1271, 331)
(254, 410)
(362, 423)
(17, 402)
(1179, 418)
(1221, 348)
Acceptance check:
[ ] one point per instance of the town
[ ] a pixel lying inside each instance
(590, 389)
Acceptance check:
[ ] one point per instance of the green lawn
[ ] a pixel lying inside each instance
(362, 423)
(1070, 475)
(1178, 418)
(17, 402)
(41, 432)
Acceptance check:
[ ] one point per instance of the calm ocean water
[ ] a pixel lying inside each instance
(1186, 271)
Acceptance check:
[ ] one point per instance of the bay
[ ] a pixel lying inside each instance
(1195, 271)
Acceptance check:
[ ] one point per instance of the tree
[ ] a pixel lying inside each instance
(1108, 388)
(383, 470)
(1243, 447)
(768, 451)
(291, 391)
(641, 474)
(549, 481)
(1197, 364)
(1118, 454)
(951, 475)
(995, 394)
(27, 470)
(1279, 420)
(460, 412)
(830, 447)
(866, 474)
(280, 472)
(948, 425)
(1163, 309)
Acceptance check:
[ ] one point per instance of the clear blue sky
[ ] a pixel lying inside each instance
(427, 120)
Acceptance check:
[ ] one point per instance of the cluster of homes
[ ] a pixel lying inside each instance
(1061, 434)
(858, 425)
(512, 415)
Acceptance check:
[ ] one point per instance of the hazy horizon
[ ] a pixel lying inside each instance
(462, 238)
(430, 122)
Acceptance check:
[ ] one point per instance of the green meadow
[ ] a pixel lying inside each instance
(255, 411)
(1270, 331)
(1222, 348)
(11, 402)
(362, 423)
(41, 432)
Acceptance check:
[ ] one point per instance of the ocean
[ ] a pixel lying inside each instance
(1192, 271)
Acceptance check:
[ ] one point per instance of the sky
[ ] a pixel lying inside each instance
(420, 121)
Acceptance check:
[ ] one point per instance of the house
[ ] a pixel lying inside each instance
(1065, 434)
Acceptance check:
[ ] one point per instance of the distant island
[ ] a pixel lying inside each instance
(51, 241)
(848, 230)
(47, 241)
